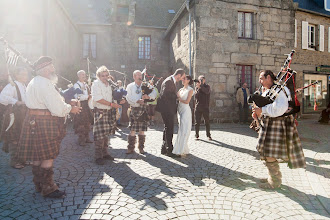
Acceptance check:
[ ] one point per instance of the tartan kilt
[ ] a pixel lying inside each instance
(84, 119)
(138, 118)
(13, 134)
(43, 140)
(103, 123)
(279, 139)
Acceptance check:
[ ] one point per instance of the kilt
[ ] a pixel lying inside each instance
(103, 123)
(278, 138)
(138, 118)
(13, 134)
(43, 140)
(82, 121)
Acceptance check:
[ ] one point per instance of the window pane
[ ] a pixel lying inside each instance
(248, 25)
(93, 45)
(85, 45)
(240, 24)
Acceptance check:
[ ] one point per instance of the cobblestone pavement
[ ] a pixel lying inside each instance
(218, 180)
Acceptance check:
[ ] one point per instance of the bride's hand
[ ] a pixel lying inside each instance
(178, 94)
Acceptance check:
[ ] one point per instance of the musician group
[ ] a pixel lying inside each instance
(38, 129)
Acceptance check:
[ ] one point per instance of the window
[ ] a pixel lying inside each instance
(311, 36)
(245, 25)
(89, 47)
(244, 73)
(144, 47)
(122, 13)
(179, 34)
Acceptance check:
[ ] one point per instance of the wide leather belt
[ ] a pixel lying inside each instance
(39, 112)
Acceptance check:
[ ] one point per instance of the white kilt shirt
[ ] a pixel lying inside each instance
(279, 106)
(101, 91)
(42, 94)
(132, 96)
(83, 86)
(9, 95)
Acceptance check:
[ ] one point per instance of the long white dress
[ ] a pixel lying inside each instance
(185, 123)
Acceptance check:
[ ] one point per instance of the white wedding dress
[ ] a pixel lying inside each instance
(185, 123)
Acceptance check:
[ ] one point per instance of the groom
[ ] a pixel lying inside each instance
(167, 106)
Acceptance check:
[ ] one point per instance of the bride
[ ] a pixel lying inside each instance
(184, 116)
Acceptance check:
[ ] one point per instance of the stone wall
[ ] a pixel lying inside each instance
(117, 48)
(308, 60)
(219, 49)
(62, 39)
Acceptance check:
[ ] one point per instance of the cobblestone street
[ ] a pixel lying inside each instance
(218, 180)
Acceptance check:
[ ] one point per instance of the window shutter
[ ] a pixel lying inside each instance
(304, 35)
(329, 41)
(321, 38)
(295, 33)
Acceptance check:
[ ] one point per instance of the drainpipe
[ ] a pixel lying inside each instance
(188, 9)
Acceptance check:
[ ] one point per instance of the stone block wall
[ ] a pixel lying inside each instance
(308, 60)
(219, 49)
(117, 48)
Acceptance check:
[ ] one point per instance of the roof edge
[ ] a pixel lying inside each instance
(66, 14)
(176, 17)
(313, 12)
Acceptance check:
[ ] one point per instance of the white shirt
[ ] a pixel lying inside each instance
(279, 106)
(42, 94)
(133, 96)
(9, 95)
(83, 86)
(101, 91)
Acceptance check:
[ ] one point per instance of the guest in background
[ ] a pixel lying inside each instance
(242, 95)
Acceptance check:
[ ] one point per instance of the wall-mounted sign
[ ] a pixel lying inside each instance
(323, 68)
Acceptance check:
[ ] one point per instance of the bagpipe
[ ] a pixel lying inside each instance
(284, 76)
(146, 87)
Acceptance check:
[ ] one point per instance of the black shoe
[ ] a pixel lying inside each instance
(99, 161)
(173, 155)
(56, 194)
(108, 157)
(210, 139)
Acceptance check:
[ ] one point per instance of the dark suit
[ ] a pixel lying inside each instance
(167, 106)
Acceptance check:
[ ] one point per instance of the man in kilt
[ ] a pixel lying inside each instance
(278, 136)
(138, 118)
(43, 127)
(104, 118)
(83, 121)
(13, 96)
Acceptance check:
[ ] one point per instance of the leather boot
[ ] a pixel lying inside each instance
(106, 155)
(37, 177)
(99, 145)
(131, 144)
(48, 186)
(142, 139)
(82, 140)
(274, 179)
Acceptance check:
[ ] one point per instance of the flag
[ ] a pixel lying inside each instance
(12, 56)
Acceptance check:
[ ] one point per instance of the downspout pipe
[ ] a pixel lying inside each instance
(188, 9)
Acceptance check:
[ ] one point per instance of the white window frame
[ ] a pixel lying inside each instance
(89, 45)
(243, 24)
(144, 48)
(311, 36)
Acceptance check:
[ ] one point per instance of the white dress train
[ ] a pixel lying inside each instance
(185, 123)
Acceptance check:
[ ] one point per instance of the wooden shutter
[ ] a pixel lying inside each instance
(329, 41)
(321, 38)
(295, 33)
(304, 35)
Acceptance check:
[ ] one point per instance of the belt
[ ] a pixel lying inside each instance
(277, 118)
(39, 112)
(101, 110)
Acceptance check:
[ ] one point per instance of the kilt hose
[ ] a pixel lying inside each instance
(278, 138)
(138, 118)
(41, 137)
(104, 121)
(83, 121)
